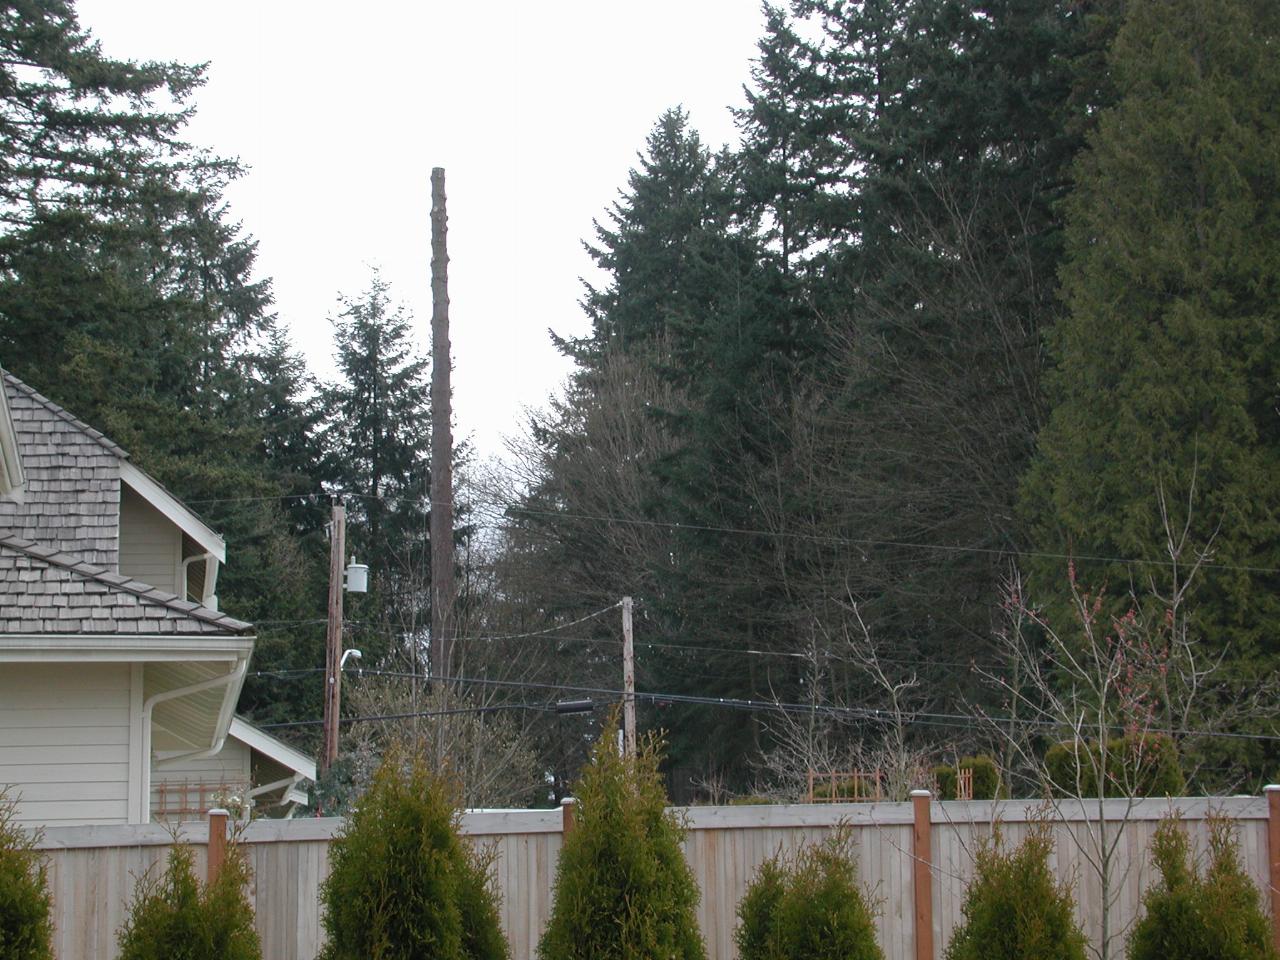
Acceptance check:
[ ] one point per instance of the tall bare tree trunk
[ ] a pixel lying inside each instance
(443, 594)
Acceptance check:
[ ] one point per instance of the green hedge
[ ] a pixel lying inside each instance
(1139, 765)
(1013, 909)
(808, 907)
(26, 932)
(402, 885)
(1189, 916)
(173, 918)
(986, 778)
(623, 888)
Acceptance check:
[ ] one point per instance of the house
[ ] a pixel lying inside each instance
(118, 674)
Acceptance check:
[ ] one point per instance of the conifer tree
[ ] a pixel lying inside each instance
(376, 434)
(26, 928)
(623, 888)
(1164, 391)
(1013, 909)
(173, 916)
(402, 885)
(1192, 915)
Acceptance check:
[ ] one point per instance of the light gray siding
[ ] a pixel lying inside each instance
(64, 742)
(150, 544)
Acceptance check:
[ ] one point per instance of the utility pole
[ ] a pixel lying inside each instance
(333, 639)
(443, 597)
(628, 682)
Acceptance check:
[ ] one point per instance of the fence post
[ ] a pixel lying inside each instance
(1272, 793)
(217, 850)
(566, 811)
(923, 879)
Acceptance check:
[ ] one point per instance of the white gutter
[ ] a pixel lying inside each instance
(232, 680)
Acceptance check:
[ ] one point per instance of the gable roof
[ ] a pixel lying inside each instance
(63, 595)
(264, 743)
(74, 474)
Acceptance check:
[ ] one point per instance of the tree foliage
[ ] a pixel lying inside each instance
(173, 916)
(622, 888)
(402, 885)
(26, 928)
(808, 907)
(1013, 908)
(1192, 914)
(1166, 361)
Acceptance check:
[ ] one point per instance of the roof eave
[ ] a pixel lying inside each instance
(173, 509)
(117, 648)
(269, 746)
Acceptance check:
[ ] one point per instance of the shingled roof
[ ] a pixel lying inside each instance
(63, 594)
(71, 500)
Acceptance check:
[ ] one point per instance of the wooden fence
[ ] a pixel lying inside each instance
(915, 859)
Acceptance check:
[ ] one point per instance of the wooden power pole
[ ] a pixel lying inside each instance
(628, 682)
(333, 639)
(442, 587)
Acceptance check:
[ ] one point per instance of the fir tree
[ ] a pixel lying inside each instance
(1164, 390)
(376, 434)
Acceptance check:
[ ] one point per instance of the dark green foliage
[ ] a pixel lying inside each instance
(944, 778)
(1013, 908)
(377, 429)
(810, 907)
(173, 918)
(623, 888)
(1168, 357)
(402, 884)
(1189, 915)
(26, 931)
(986, 778)
(1135, 765)
(756, 935)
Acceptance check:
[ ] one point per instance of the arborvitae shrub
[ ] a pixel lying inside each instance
(986, 776)
(402, 885)
(173, 918)
(756, 935)
(26, 932)
(810, 907)
(623, 889)
(1187, 916)
(1140, 765)
(1013, 909)
(944, 777)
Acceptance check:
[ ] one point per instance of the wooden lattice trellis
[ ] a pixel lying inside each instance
(192, 799)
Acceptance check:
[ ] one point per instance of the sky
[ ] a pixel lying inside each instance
(535, 110)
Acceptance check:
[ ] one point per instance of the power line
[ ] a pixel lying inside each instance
(863, 713)
(830, 539)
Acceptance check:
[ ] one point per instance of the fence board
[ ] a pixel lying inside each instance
(93, 870)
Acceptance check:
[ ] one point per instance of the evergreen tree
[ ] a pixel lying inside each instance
(403, 886)
(1164, 391)
(1013, 909)
(623, 888)
(26, 929)
(173, 916)
(377, 436)
(1214, 915)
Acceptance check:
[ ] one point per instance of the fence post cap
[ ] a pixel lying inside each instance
(219, 812)
(1271, 788)
(569, 801)
(920, 793)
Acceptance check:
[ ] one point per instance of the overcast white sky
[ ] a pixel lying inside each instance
(536, 112)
